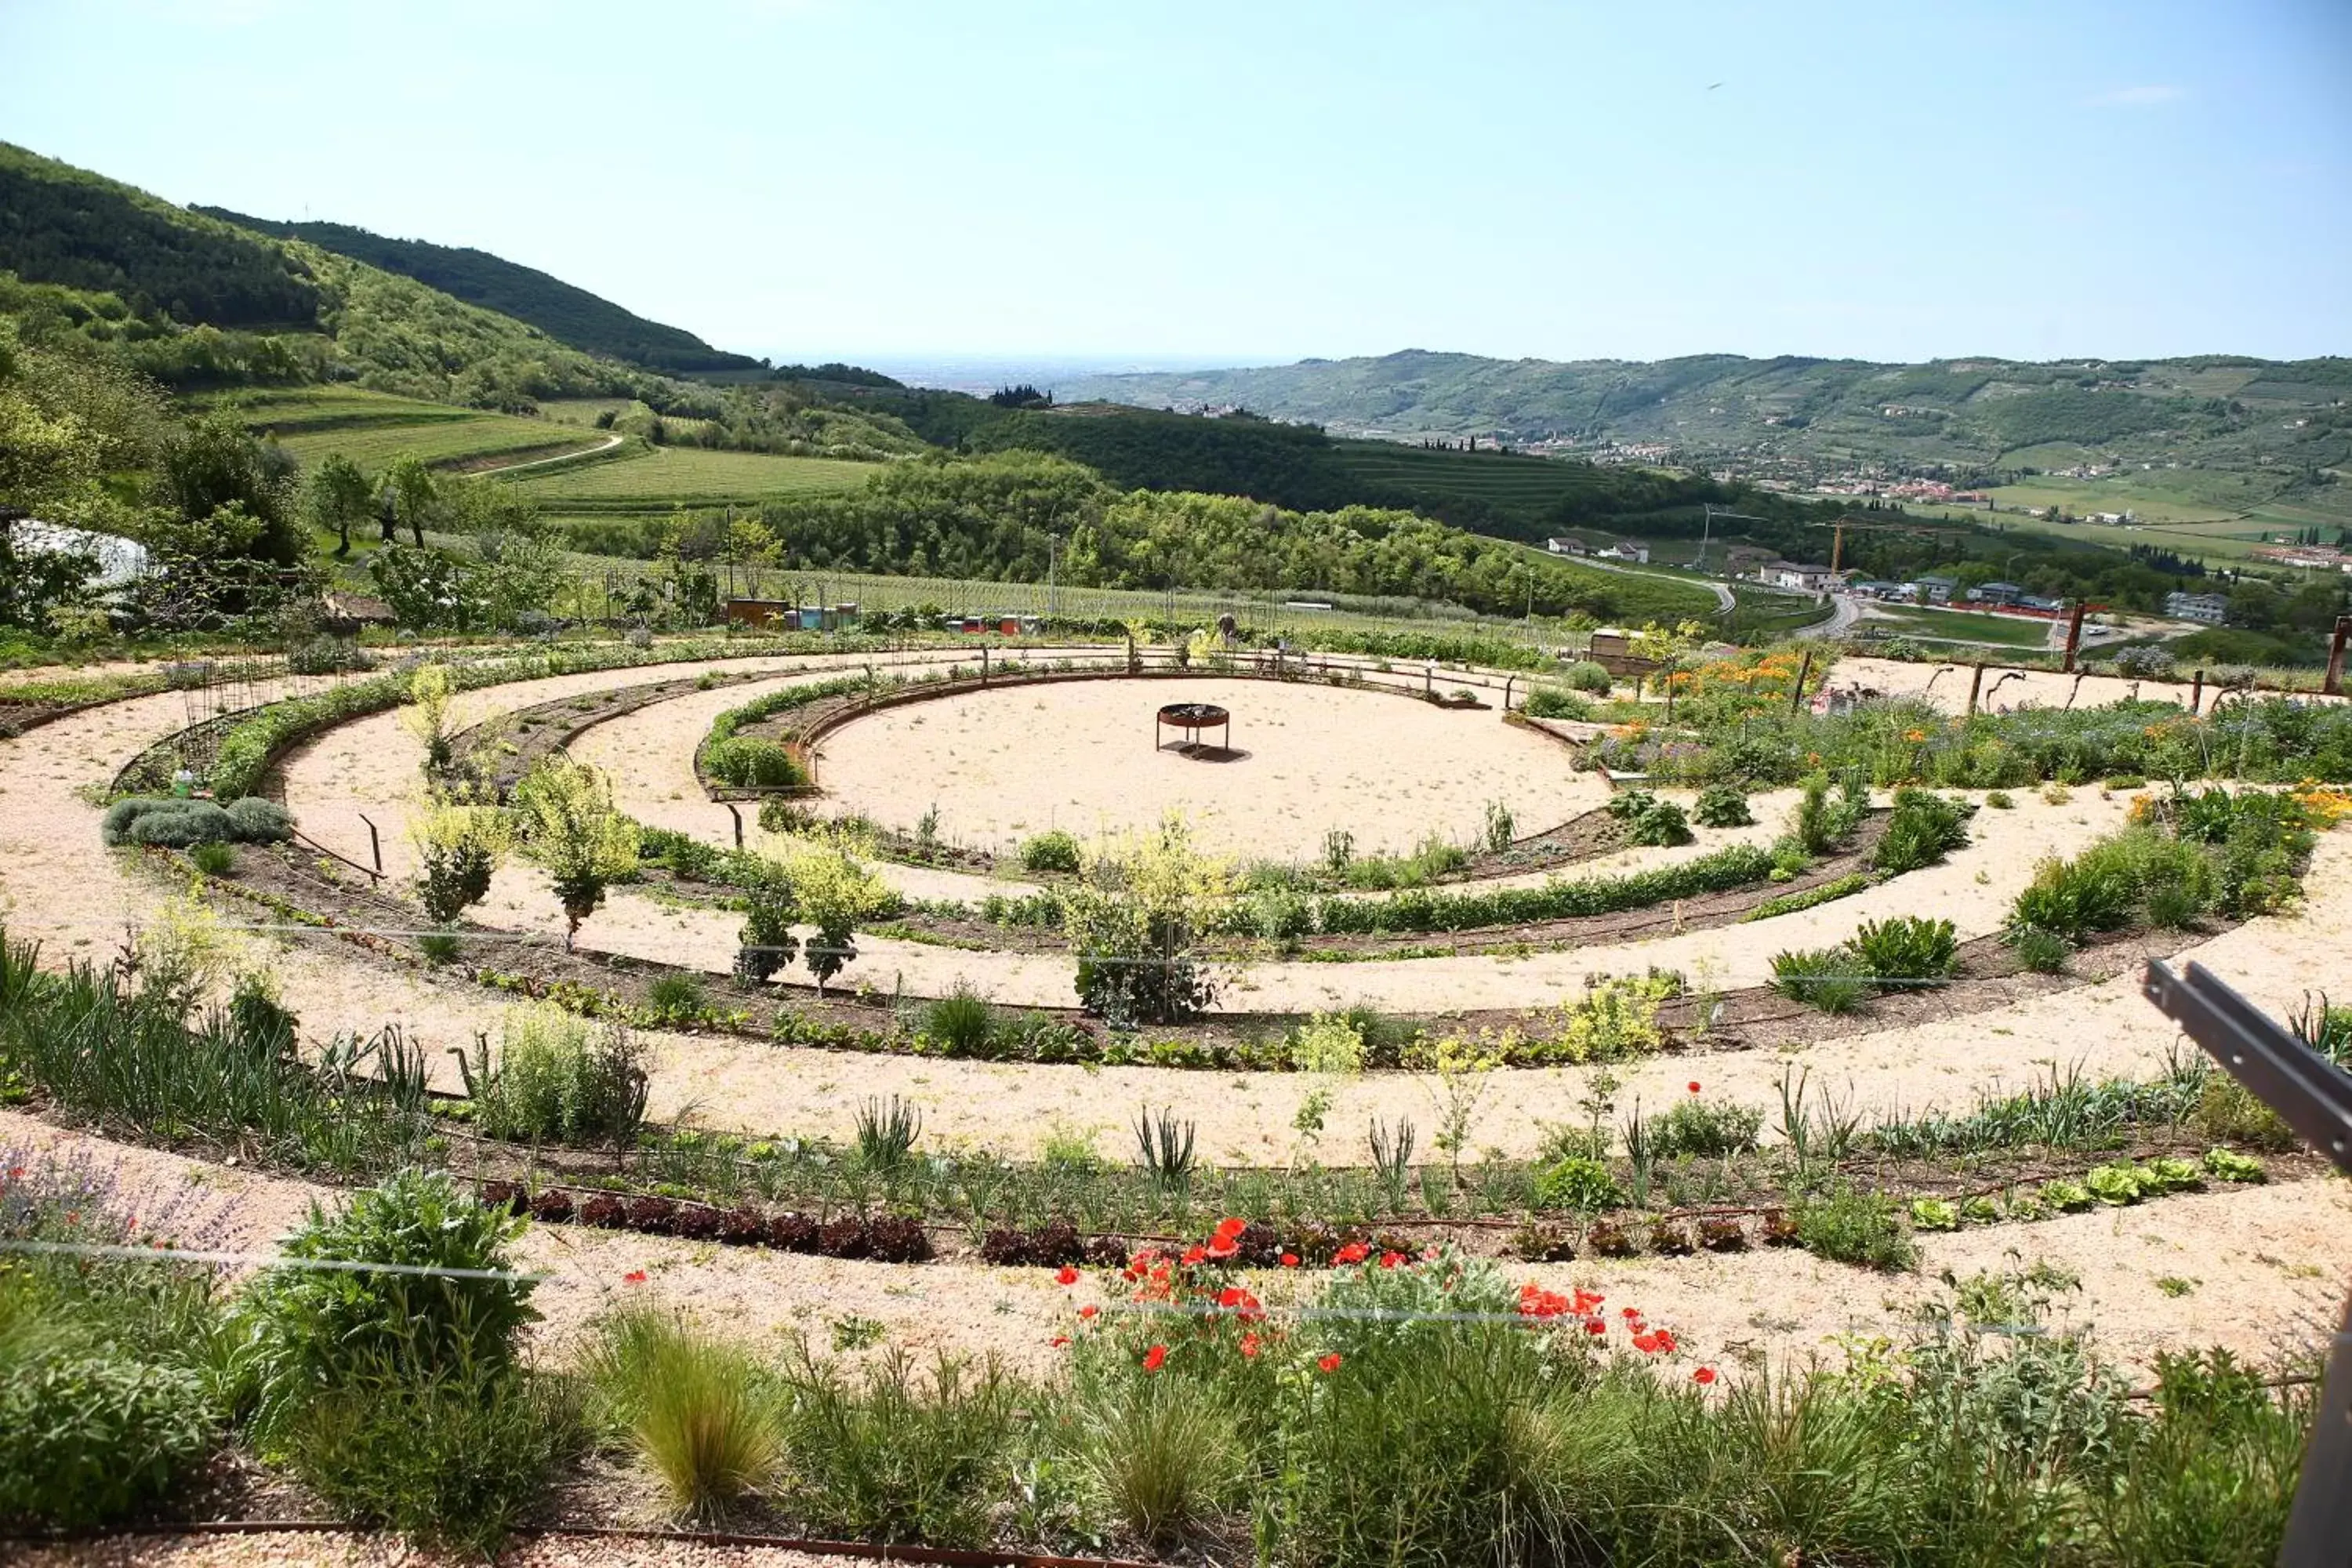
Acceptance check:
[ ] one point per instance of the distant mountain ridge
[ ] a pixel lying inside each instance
(1801, 413)
(564, 312)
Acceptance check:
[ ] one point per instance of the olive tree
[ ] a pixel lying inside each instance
(572, 829)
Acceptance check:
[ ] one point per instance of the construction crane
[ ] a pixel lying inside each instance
(1837, 542)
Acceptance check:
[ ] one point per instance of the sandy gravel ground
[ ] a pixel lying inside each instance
(1001, 766)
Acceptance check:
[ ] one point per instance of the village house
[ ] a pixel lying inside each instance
(1569, 546)
(1789, 574)
(2206, 609)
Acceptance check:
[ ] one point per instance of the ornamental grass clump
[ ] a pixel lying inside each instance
(702, 1415)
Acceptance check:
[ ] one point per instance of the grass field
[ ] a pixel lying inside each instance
(1958, 626)
(372, 428)
(649, 480)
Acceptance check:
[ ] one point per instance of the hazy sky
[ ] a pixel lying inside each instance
(1247, 183)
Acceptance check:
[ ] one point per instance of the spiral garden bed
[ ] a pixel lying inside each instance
(1030, 1163)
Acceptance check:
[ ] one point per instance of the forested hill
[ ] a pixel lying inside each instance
(1973, 414)
(563, 311)
(66, 226)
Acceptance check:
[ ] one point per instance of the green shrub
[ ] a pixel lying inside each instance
(91, 1433)
(1328, 1043)
(1723, 806)
(1906, 949)
(213, 859)
(1420, 909)
(887, 1455)
(2075, 899)
(1579, 1183)
(2124, 781)
(1585, 674)
(1051, 851)
(1853, 1226)
(561, 1078)
(1811, 822)
(260, 821)
(1662, 823)
(1551, 702)
(453, 1461)
(1920, 831)
(1827, 978)
(2000, 801)
(1704, 1130)
(676, 999)
(750, 763)
(2211, 1477)
(305, 1332)
(2043, 951)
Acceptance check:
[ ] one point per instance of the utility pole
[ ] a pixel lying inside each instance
(1053, 546)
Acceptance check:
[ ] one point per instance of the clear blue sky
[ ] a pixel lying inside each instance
(1248, 183)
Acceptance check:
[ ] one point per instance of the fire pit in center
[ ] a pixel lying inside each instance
(1189, 720)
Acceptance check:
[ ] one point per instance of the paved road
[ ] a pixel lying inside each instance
(1845, 611)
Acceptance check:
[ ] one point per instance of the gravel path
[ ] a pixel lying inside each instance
(999, 767)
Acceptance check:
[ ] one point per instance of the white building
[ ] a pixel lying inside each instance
(2207, 609)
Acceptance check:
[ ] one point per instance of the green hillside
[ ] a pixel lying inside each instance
(2240, 436)
(1298, 466)
(196, 303)
(562, 310)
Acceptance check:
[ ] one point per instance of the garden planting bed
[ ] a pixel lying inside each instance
(288, 881)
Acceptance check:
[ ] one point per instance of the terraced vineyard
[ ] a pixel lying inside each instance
(373, 429)
(650, 481)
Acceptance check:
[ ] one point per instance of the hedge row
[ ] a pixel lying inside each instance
(1424, 909)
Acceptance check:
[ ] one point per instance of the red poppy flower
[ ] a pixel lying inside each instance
(1249, 1346)
(1647, 1343)
(1629, 1312)
(1665, 1341)
(1694, 1085)
(1154, 1357)
(1193, 1255)
(1237, 1300)
(1089, 1310)
(634, 1276)
(1066, 1276)
(1354, 1252)
(1595, 1326)
(1229, 1228)
(1290, 1260)
(1061, 1341)
(1330, 1362)
(1704, 1376)
(1222, 1247)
